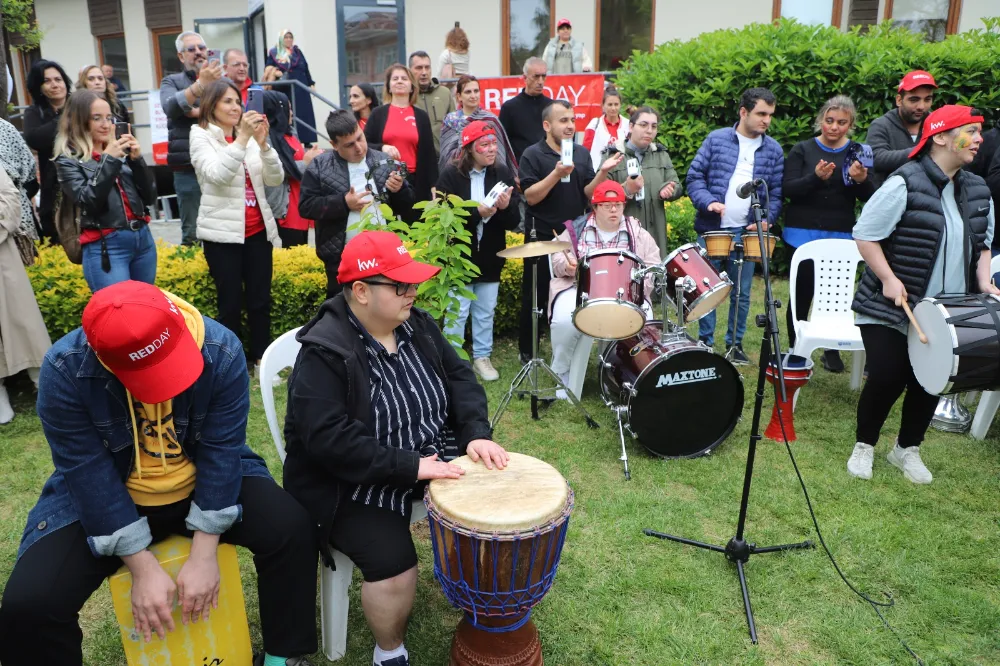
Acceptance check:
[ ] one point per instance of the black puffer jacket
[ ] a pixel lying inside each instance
(324, 187)
(91, 186)
(913, 247)
(178, 123)
(329, 435)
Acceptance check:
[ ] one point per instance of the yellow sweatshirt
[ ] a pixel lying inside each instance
(162, 473)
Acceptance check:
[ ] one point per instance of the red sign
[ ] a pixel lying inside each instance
(583, 91)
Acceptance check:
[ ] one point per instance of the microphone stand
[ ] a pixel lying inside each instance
(738, 550)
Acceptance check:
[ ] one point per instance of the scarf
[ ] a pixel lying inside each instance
(281, 54)
(19, 163)
(276, 108)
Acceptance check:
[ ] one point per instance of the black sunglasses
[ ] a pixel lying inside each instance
(401, 287)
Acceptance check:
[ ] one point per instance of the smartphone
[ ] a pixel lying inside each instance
(122, 129)
(255, 100)
(214, 56)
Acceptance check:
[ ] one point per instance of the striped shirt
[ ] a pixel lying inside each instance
(409, 406)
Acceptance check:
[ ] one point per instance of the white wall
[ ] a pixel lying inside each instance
(973, 12)
(66, 38)
(684, 20)
(428, 21)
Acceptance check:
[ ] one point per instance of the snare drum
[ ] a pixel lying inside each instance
(608, 299)
(704, 287)
(751, 245)
(962, 351)
(681, 399)
(718, 244)
(497, 536)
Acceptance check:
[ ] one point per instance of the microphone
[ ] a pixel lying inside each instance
(744, 190)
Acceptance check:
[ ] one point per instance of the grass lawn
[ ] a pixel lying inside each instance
(624, 598)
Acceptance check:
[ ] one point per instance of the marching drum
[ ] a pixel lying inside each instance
(963, 350)
(681, 399)
(608, 299)
(704, 287)
(718, 244)
(497, 536)
(751, 245)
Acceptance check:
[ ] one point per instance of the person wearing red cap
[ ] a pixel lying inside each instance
(893, 136)
(377, 396)
(472, 175)
(925, 232)
(605, 227)
(145, 410)
(565, 55)
(469, 96)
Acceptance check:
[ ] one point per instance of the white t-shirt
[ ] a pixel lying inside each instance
(738, 209)
(357, 171)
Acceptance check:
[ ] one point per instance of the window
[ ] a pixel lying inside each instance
(371, 36)
(863, 13)
(623, 26)
(527, 26)
(810, 12)
(165, 52)
(353, 63)
(112, 52)
(933, 18)
(387, 55)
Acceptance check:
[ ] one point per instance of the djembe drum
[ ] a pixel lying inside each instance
(798, 371)
(497, 536)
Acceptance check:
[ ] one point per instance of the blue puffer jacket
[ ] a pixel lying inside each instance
(710, 172)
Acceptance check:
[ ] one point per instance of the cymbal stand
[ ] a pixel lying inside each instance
(531, 369)
(739, 260)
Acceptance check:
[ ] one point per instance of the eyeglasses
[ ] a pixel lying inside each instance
(611, 206)
(402, 288)
(196, 47)
(643, 124)
(107, 120)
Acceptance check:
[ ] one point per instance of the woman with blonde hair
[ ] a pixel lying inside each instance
(454, 60)
(291, 62)
(402, 130)
(106, 177)
(92, 78)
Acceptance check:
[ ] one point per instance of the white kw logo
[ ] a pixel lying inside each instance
(687, 377)
(367, 265)
(936, 125)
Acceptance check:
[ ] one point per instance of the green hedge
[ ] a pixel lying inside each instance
(697, 84)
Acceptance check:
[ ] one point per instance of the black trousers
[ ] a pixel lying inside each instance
(238, 271)
(544, 277)
(889, 374)
(293, 237)
(804, 287)
(58, 573)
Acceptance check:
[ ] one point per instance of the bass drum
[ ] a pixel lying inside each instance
(681, 399)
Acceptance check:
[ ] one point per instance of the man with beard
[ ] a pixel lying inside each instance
(435, 99)
(893, 136)
(550, 201)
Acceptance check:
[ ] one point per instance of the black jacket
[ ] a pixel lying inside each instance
(814, 203)
(178, 123)
(984, 156)
(891, 145)
(484, 251)
(325, 185)
(993, 180)
(40, 128)
(426, 175)
(91, 186)
(521, 117)
(913, 246)
(329, 436)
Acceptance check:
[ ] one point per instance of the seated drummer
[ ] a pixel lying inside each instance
(374, 398)
(145, 410)
(926, 231)
(606, 227)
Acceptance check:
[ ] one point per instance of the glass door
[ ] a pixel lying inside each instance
(225, 33)
(371, 38)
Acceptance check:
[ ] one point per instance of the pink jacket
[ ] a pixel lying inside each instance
(563, 277)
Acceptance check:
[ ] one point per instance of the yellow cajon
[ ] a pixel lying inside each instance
(223, 640)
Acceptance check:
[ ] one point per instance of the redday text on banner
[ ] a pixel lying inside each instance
(583, 91)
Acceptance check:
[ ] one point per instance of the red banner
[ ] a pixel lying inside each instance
(583, 91)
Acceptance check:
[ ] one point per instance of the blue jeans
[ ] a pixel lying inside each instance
(188, 201)
(132, 254)
(482, 308)
(706, 325)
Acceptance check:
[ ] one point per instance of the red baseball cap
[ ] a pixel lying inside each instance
(381, 253)
(915, 79)
(140, 335)
(608, 191)
(946, 118)
(477, 129)
(562, 22)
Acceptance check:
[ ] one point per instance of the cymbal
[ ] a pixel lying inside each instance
(536, 249)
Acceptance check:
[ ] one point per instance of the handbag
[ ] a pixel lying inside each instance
(67, 223)
(26, 248)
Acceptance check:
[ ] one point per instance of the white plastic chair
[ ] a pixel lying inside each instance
(990, 400)
(831, 322)
(334, 585)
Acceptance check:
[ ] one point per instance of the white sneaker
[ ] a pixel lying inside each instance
(909, 461)
(860, 462)
(6, 411)
(485, 369)
(560, 393)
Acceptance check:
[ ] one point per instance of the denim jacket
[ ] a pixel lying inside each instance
(86, 420)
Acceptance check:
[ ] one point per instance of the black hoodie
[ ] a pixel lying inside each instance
(891, 145)
(329, 442)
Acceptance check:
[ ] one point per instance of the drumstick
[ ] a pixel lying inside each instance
(913, 322)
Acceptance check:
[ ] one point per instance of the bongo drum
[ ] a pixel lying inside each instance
(718, 244)
(497, 536)
(751, 245)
